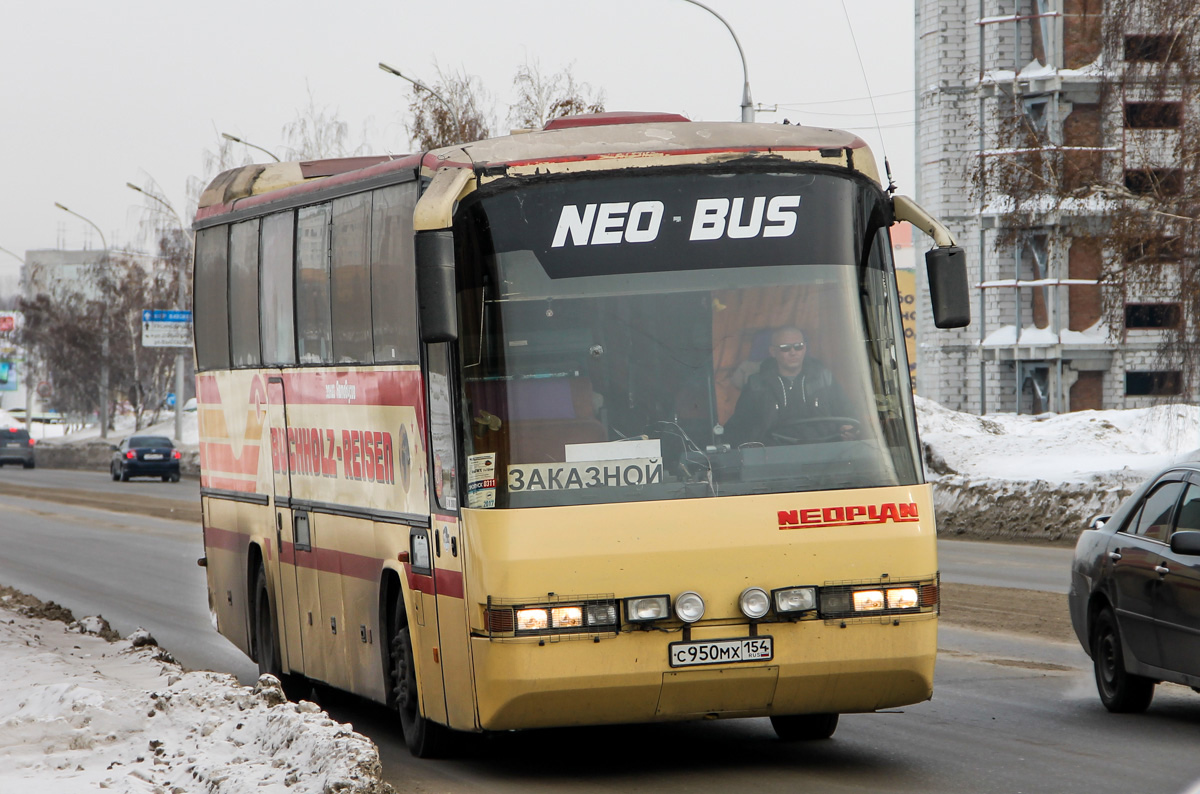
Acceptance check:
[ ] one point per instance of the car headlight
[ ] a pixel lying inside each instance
(754, 602)
(689, 607)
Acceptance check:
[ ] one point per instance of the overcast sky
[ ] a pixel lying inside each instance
(97, 94)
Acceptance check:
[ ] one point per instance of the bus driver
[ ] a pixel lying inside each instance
(791, 399)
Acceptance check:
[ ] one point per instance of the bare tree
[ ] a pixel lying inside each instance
(66, 329)
(454, 110)
(318, 133)
(541, 99)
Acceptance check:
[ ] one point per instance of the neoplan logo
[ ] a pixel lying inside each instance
(849, 516)
(712, 219)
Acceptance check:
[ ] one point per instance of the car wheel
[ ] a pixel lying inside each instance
(425, 739)
(1120, 691)
(804, 727)
(175, 477)
(112, 470)
(266, 642)
(29, 464)
(124, 474)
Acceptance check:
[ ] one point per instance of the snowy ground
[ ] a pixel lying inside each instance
(79, 713)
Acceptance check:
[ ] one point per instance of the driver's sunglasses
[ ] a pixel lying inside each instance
(794, 347)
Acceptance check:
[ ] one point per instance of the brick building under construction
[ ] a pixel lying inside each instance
(1058, 141)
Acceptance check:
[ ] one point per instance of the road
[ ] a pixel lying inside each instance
(1011, 713)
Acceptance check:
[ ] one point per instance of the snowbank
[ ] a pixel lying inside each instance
(1045, 477)
(80, 713)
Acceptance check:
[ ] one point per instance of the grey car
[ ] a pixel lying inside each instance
(16, 446)
(1135, 591)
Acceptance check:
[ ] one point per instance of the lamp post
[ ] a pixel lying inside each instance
(453, 113)
(104, 328)
(747, 104)
(236, 139)
(181, 300)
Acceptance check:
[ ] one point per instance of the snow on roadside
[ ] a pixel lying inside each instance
(1044, 477)
(80, 713)
(1061, 448)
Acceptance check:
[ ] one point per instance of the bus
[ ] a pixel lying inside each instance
(463, 428)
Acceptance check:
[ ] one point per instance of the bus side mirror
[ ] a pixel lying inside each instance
(435, 285)
(949, 296)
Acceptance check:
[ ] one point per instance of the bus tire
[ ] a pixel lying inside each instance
(266, 642)
(804, 727)
(425, 738)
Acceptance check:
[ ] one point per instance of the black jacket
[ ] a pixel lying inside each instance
(772, 403)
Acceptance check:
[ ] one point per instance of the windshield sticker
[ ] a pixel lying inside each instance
(524, 477)
(614, 450)
(481, 480)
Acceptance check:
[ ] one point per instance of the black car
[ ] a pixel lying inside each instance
(145, 456)
(16, 446)
(1135, 591)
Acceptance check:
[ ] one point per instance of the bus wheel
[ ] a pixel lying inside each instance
(804, 727)
(425, 739)
(266, 642)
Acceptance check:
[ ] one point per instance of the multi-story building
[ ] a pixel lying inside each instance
(1046, 130)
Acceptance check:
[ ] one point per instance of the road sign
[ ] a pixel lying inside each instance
(166, 328)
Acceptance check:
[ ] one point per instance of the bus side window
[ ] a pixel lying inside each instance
(350, 280)
(243, 293)
(211, 296)
(278, 331)
(314, 334)
(393, 274)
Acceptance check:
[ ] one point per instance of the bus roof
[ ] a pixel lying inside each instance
(582, 143)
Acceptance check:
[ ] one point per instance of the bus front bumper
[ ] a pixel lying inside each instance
(817, 667)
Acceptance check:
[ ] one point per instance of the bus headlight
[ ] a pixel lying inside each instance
(868, 600)
(795, 599)
(878, 599)
(903, 598)
(643, 609)
(754, 602)
(689, 607)
(566, 617)
(601, 615)
(532, 619)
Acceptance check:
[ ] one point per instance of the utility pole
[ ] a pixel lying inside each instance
(181, 301)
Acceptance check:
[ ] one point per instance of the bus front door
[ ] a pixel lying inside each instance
(451, 631)
(283, 562)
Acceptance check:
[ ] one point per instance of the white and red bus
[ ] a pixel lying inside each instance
(463, 443)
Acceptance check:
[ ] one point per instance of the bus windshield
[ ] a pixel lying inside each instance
(723, 331)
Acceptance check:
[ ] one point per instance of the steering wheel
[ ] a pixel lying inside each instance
(799, 431)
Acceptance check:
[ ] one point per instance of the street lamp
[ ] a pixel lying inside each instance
(453, 113)
(747, 104)
(103, 330)
(236, 139)
(181, 299)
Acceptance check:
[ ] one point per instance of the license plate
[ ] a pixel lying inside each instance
(746, 649)
(152, 456)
